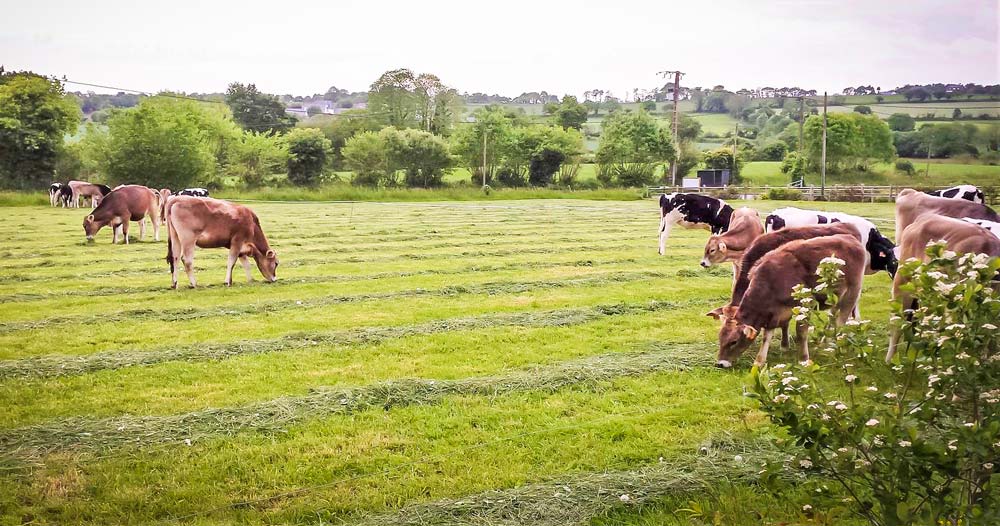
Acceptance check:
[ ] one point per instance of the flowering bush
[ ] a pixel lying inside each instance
(915, 441)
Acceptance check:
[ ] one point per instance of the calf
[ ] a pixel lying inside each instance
(992, 226)
(744, 229)
(880, 250)
(768, 301)
(959, 236)
(127, 203)
(65, 197)
(194, 192)
(962, 191)
(692, 211)
(211, 223)
(54, 190)
(766, 244)
(83, 189)
(911, 204)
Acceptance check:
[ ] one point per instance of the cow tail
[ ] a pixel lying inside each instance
(170, 238)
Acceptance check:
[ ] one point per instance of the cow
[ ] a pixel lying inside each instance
(127, 203)
(165, 194)
(962, 191)
(992, 226)
(881, 255)
(213, 223)
(194, 192)
(54, 191)
(744, 229)
(83, 189)
(959, 236)
(911, 204)
(768, 243)
(65, 197)
(692, 211)
(768, 301)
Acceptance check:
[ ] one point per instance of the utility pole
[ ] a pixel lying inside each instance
(927, 171)
(801, 124)
(736, 140)
(486, 132)
(822, 184)
(677, 85)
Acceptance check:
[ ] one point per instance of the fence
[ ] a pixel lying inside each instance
(858, 193)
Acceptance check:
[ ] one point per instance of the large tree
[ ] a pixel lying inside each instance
(35, 114)
(402, 99)
(569, 113)
(632, 145)
(257, 111)
(853, 140)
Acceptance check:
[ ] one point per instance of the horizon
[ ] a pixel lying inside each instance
(194, 48)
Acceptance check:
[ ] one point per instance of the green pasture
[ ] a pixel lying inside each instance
(918, 109)
(943, 173)
(416, 363)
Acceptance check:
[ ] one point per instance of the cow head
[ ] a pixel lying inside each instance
(882, 252)
(91, 226)
(267, 263)
(715, 252)
(734, 337)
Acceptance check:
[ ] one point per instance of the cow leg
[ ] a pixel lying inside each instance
(125, 230)
(114, 233)
(234, 254)
(156, 228)
(764, 346)
(802, 335)
(784, 335)
(142, 228)
(188, 259)
(666, 223)
(246, 266)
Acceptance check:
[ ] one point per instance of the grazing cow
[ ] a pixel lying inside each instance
(212, 223)
(54, 190)
(992, 226)
(768, 243)
(911, 204)
(194, 192)
(692, 211)
(127, 203)
(744, 228)
(880, 250)
(962, 191)
(83, 189)
(65, 197)
(959, 236)
(768, 301)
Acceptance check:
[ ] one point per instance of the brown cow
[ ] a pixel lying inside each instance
(212, 223)
(911, 204)
(165, 194)
(127, 203)
(768, 301)
(959, 236)
(744, 229)
(83, 189)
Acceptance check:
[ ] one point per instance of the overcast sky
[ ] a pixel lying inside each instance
(504, 47)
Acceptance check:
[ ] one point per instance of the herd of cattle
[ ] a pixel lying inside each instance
(191, 216)
(769, 259)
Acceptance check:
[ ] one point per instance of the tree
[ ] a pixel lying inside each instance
(901, 122)
(864, 110)
(688, 158)
(570, 113)
(853, 141)
(879, 98)
(544, 166)
(377, 157)
(35, 113)
(313, 110)
(649, 106)
(342, 127)
(258, 155)
(632, 146)
(488, 135)
(365, 155)
(307, 155)
(392, 98)
(257, 111)
(956, 114)
(722, 159)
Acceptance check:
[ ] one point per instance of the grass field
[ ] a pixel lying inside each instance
(943, 173)
(937, 108)
(518, 363)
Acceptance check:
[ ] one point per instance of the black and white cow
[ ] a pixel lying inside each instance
(65, 197)
(962, 191)
(194, 192)
(54, 193)
(692, 211)
(881, 255)
(992, 226)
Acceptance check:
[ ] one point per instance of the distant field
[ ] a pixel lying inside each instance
(938, 108)
(941, 174)
(718, 123)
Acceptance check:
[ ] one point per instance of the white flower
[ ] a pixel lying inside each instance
(871, 422)
(988, 465)
(890, 396)
(933, 379)
(812, 406)
(820, 287)
(871, 389)
(850, 378)
(877, 440)
(852, 322)
(936, 275)
(833, 260)
(833, 402)
(840, 407)
(905, 443)
(962, 355)
(800, 317)
(951, 445)
(948, 254)
(738, 458)
(187, 441)
(788, 379)
(944, 288)
(989, 326)
(805, 463)
(780, 398)
(807, 508)
(624, 498)
(780, 366)
(969, 424)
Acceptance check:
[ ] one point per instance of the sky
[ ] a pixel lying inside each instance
(504, 47)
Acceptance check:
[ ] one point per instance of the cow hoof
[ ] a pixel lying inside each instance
(228, 283)
(723, 364)
(174, 286)
(759, 364)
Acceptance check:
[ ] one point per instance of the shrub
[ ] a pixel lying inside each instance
(783, 194)
(902, 122)
(510, 178)
(905, 166)
(307, 152)
(543, 166)
(774, 151)
(864, 110)
(914, 441)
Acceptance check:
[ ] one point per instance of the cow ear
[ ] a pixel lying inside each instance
(716, 313)
(90, 218)
(270, 254)
(749, 332)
